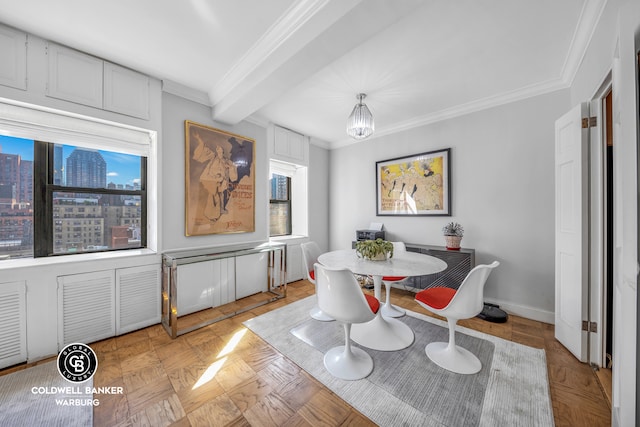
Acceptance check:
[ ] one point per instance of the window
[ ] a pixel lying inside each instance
(61, 199)
(288, 199)
(280, 205)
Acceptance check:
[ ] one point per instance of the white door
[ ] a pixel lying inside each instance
(571, 200)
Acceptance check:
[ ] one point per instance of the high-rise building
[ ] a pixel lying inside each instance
(25, 188)
(10, 173)
(58, 170)
(86, 168)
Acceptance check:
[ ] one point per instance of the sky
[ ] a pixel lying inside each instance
(121, 168)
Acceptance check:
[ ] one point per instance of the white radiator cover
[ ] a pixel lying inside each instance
(86, 307)
(138, 296)
(13, 338)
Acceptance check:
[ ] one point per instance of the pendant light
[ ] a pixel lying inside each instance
(360, 122)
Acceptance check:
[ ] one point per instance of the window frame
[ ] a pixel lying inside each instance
(29, 121)
(286, 202)
(44, 188)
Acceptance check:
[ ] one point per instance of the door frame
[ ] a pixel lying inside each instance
(597, 226)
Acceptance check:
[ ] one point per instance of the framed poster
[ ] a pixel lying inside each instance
(220, 181)
(414, 185)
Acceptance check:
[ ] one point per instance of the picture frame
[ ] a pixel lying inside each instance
(219, 181)
(416, 185)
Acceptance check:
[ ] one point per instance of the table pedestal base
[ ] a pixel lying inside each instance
(390, 310)
(384, 334)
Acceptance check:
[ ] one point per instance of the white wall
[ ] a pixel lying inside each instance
(318, 182)
(502, 181)
(175, 111)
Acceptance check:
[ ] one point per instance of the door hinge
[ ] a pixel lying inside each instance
(589, 122)
(589, 326)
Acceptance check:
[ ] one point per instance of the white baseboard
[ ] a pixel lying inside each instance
(524, 311)
(516, 309)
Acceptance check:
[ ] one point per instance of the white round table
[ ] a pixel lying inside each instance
(383, 333)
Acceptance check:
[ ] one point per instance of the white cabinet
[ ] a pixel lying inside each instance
(77, 77)
(289, 146)
(74, 76)
(206, 284)
(126, 91)
(295, 270)
(86, 307)
(98, 305)
(251, 274)
(13, 338)
(224, 281)
(137, 297)
(196, 295)
(13, 50)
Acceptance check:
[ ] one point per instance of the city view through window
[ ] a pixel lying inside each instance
(280, 206)
(95, 199)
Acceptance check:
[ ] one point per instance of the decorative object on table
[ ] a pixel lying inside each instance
(453, 233)
(374, 250)
(414, 185)
(219, 181)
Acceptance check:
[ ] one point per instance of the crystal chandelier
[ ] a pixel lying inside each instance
(360, 122)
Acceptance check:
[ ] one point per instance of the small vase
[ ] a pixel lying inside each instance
(379, 257)
(453, 242)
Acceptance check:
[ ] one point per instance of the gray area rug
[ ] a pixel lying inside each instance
(406, 388)
(20, 406)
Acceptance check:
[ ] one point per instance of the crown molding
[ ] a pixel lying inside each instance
(589, 17)
(587, 23)
(319, 143)
(186, 92)
(463, 109)
(257, 120)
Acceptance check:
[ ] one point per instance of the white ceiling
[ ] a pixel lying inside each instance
(301, 63)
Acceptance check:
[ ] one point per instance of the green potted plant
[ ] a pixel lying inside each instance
(375, 250)
(453, 233)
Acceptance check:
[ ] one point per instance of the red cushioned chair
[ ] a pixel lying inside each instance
(388, 309)
(310, 254)
(464, 303)
(340, 296)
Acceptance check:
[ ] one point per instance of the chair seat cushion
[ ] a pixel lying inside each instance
(374, 304)
(393, 278)
(437, 298)
(312, 274)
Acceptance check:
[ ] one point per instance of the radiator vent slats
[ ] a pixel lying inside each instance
(13, 340)
(138, 296)
(86, 305)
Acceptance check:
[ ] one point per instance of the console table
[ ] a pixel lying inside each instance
(200, 286)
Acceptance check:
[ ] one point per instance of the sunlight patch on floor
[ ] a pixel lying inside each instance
(213, 369)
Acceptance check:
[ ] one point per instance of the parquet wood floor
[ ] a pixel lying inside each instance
(224, 375)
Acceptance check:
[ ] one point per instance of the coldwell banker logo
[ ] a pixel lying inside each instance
(77, 363)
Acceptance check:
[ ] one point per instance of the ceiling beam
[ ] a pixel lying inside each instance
(312, 38)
